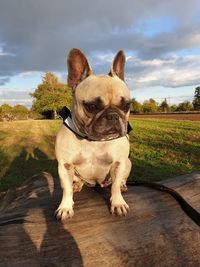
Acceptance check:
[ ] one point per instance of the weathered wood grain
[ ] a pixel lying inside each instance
(156, 232)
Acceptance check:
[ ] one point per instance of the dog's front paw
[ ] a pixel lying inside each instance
(64, 212)
(119, 206)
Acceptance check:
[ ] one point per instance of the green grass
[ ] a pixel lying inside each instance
(160, 149)
(163, 149)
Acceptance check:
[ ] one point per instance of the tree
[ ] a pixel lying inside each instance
(51, 96)
(136, 107)
(196, 101)
(164, 107)
(150, 106)
(6, 112)
(173, 108)
(185, 106)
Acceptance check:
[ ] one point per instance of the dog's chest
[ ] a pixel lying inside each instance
(93, 167)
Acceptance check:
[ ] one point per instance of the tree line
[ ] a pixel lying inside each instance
(51, 96)
(151, 106)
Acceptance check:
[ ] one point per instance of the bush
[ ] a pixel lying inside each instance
(185, 106)
(150, 106)
(136, 107)
(20, 112)
(6, 113)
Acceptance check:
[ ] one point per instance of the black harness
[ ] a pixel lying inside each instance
(187, 208)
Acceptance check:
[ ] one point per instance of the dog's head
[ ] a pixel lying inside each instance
(101, 104)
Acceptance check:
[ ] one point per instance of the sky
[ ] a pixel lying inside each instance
(161, 41)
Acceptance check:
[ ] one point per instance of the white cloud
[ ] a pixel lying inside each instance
(28, 74)
(3, 53)
(170, 72)
(15, 96)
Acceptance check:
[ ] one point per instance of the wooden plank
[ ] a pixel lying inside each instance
(156, 232)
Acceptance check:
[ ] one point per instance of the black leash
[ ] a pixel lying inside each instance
(187, 208)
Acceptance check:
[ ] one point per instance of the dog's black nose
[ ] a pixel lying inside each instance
(112, 117)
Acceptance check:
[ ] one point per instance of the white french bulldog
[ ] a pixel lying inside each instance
(92, 146)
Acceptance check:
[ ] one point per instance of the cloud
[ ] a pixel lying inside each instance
(172, 71)
(169, 71)
(3, 80)
(15, 96)
(37, 35)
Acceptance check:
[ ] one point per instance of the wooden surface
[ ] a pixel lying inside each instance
(156, 232)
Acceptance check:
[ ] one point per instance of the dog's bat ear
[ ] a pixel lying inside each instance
(78, 67)
(117, 67)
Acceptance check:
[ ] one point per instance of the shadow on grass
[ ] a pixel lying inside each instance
(25, 165)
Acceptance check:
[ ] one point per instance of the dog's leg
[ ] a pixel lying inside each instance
(119, 174)
(65, 209)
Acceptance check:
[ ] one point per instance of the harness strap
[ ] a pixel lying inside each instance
(186, 207)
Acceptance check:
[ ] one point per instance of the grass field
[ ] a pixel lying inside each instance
(160, 149)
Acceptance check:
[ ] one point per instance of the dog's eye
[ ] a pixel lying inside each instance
(126, 106)
(92, 108)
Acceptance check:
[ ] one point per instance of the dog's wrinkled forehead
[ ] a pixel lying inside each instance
(111, 90)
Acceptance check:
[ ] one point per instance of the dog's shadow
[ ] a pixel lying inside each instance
(29, 234)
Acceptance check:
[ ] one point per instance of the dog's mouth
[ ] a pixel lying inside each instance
(111, 131)
(105, 129)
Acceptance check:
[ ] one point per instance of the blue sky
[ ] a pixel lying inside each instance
(161, 40)
(155, 25)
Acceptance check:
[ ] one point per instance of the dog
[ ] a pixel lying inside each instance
(92, 147)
